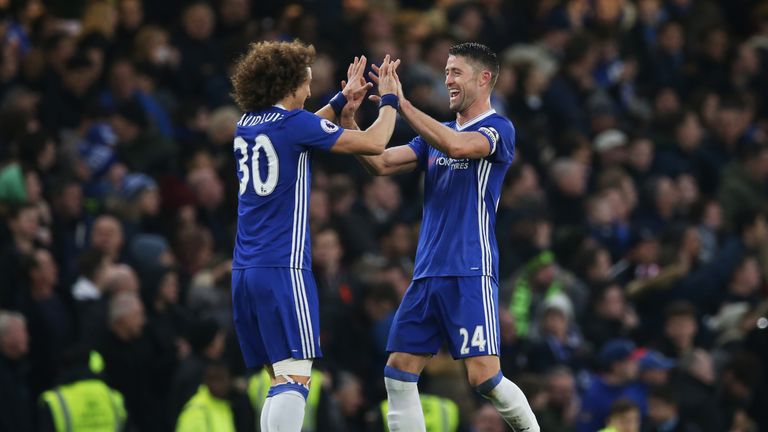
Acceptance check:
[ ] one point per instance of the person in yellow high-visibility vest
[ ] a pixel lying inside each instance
(209, 410)
(258, 387)
(440, 414)
(624, 417)
(83, 402)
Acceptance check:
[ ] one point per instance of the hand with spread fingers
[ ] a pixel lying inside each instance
(355, 86)
(378, 75)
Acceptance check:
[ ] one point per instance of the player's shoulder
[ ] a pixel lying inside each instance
(498, 122)
(308, 121)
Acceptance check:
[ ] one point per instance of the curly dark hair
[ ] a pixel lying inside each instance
(270, 71)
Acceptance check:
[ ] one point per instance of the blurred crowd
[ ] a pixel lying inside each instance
(632, 226)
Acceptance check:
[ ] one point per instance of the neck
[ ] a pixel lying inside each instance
(289, 103)
(477, 108)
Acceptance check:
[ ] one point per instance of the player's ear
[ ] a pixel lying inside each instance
(485, 77)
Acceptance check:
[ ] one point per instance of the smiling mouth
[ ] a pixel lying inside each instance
(453, 93)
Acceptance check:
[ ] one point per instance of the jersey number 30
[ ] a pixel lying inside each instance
(262, 142)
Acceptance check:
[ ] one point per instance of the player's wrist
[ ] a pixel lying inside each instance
(389, 99)
(338, 102)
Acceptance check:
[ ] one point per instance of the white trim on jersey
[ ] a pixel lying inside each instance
(483, 173)
(298, 242)
(460, 127)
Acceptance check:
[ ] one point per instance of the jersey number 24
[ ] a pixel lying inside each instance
(261, 142)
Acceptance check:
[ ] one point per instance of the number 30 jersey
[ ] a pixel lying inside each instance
(273, 148)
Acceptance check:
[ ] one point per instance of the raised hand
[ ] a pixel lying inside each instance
(385, 76)
(355, 87)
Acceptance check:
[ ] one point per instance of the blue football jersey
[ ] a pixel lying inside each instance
(457, 235)
(273, 148)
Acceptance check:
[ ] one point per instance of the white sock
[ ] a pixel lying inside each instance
(263, 422)
(511, 403)
(405, 412)
(286, 412)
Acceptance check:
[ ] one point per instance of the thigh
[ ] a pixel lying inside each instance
(276, 315)
(469, 315)
(415, 329)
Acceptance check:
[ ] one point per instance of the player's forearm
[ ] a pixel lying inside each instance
(435, 133)
(381, 130)
(327, 113)
(348, 122)
(371, 164)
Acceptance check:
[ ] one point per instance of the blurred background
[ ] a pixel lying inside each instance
(632, 225)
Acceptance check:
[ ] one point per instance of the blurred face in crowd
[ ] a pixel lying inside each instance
(600, 268)
(198, 21)
(746, 279)
(655, 377)
(398, 242)
(626, 422)
(122, 278)
(571, 179)
(208, 187)
(131, 14)
(218, 381)
(148, 201)
(561, 389)
(671, 38)
(666, 196)
(33, 186)
(689, 132)
(122, 80)
(133, 322)
(729, 124)
(487, 419)
(107, 236)
(660, 411)
(383, 193)
(466, 83)
(319, 207)
(555, 324)
(349, 396)
(326, 249)
(641, 154)
(169, 288)
(14, 339)
(234, 11)
(45, 273)
(26, 224)
(78, 80)
(612, 305)
(625, 370)
(681, 329)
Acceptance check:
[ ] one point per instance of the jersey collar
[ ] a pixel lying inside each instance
(280, 106)
(474, 120)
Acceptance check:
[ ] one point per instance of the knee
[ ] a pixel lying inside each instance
(479, 372)
(407, 362)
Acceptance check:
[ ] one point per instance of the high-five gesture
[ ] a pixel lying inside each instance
(377, 75)
(355, 87)
(387, 78)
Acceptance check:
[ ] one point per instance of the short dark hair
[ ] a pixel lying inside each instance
(680, 308)
(270, 71)
(664, 394)
(480, 54)
(623, 406)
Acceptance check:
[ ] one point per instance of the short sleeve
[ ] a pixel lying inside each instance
(421, 149)
(501, 139)
(313, 131)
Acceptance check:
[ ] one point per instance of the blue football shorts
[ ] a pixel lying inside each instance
(462, 311)
(276, 314)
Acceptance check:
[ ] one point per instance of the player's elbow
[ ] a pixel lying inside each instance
(457, 152)
(372, 150)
